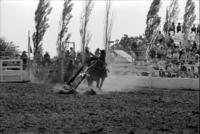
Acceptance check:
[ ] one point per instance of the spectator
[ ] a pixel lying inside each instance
(198, 29)
(78, 57)
(194, 46)
(169, 53)
(163, 53)
(172, 28)
(178, 28)
(152, 53)
(196, 71)
(176, 54)
(160, 37)
(190, 73)
(193, 29)
(72, 53)
(183, 67)
(169, 70)
(67, 53)
(180, 52)
(24, 58)
(162, 73)
(46, 59)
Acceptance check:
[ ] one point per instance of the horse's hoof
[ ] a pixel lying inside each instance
(90, 92)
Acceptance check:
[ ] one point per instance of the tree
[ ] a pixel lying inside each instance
(128, 44)
(84, 33)
(41, 21)
(8, 48)
(63, 35)
(189, 17)
(153, 20)
(107, 29)
(108, 24)
(173, 11)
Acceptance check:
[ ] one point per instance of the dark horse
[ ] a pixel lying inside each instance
(97, 71)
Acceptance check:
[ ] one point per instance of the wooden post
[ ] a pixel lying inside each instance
(1, 69)
(21, 70)
(73, 45)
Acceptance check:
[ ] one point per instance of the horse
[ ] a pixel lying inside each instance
(97, 71)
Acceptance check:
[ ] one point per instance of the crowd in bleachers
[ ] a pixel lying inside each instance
(172, 59)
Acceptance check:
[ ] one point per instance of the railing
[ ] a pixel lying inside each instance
(11, 70)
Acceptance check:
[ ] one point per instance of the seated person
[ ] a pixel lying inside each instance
(162, 73)
(196, 71)
(169, 53)
(194, 46)
(190, 74)
(178, 28)
(169, 70)
(193, 29)
(160, 37)
(176, 55)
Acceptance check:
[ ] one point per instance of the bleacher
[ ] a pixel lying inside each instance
(179, 37)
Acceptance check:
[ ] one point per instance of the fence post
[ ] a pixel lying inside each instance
(1, 67)
(21, 70)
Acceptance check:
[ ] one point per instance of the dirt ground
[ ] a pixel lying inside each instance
(27, 108)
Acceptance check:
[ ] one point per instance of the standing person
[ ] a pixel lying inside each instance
(46, 59)
(178, 28)
(180, 51)
(193, 29)
(24, 58)
(198, 29)
(172, 28)
(72, 53)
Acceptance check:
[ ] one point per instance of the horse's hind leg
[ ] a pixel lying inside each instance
(98, 81)
(89, 81)
(101, 83)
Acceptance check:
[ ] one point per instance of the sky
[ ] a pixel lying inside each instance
(17, 17)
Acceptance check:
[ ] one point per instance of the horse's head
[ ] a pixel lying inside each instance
(103, 55)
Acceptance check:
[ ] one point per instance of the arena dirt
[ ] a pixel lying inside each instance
(33, 108)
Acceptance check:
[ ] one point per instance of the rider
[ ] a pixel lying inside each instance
(88, 57)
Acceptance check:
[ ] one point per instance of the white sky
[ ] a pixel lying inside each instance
(17, 17)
